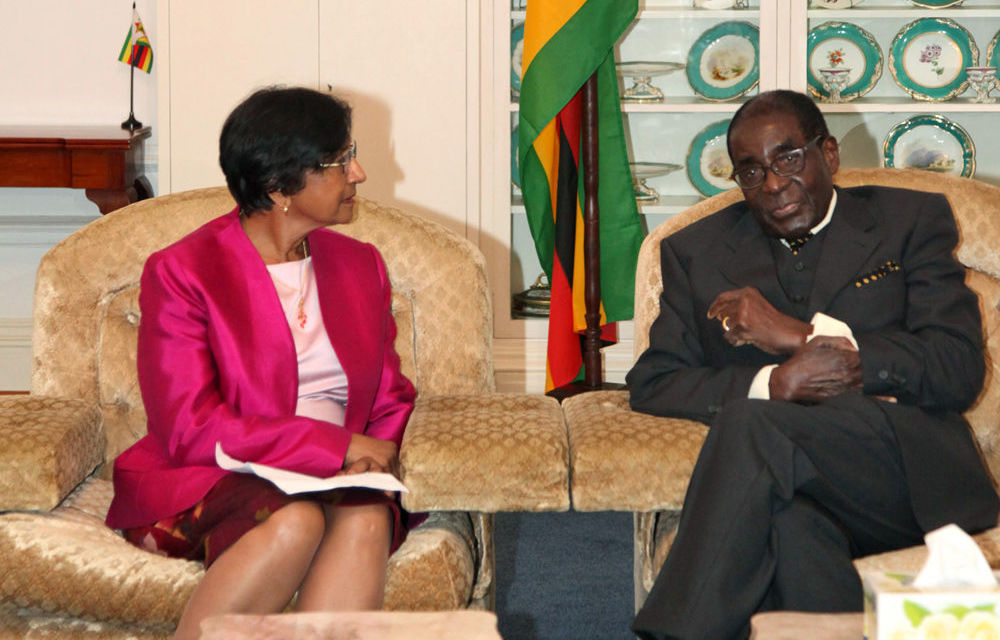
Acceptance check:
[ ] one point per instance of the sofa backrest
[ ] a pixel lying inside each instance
(977, 212)
(86, 312)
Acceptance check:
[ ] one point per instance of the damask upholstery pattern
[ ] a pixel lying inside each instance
(511, 454)
(47, 446)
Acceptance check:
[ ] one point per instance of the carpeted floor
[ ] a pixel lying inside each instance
(564, 576)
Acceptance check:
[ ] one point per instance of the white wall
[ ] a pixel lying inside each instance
(58, 65)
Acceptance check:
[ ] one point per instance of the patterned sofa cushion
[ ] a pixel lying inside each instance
(47, 446)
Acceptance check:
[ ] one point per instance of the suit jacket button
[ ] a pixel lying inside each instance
(883, 374)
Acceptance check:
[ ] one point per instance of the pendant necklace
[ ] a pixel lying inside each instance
(302, 317)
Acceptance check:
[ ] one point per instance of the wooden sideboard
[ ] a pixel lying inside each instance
(104, 160)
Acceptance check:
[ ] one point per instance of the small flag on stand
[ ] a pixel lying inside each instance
(137, 51)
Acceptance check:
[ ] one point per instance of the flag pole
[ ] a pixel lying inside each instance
(593, 376)
(590, 149)
(131, 124)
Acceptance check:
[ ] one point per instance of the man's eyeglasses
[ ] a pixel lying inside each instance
(343, 161)
(788, 163)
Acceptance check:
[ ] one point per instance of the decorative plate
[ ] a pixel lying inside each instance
(516, 49)
(515, 173)
(928, 58)
(708, 165)
(835, 4)
(930, 142)
(724, 61)
(993, 52)
(842, 45)
(937, 4)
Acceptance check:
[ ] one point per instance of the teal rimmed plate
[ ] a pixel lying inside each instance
(516, 48)
(724, 63)
(842, 45)
(993, 54)
(930, 142)
(928, 58)
(515, 173)
(937, 4)
(708, 165)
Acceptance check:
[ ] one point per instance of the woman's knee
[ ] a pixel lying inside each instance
(298, 524)
(368, 522)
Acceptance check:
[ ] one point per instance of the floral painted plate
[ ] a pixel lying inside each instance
(708, 165)
(724, 61)
(842, 45)
(835, 4)
(516, 49)
(928, 58)
(930, 142)
(937, 4)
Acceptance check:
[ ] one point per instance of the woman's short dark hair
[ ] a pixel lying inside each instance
(798, 105)
(274, 137)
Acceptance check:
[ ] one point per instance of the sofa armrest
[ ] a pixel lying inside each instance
(489, 453)
(47, 446)
(623, 460)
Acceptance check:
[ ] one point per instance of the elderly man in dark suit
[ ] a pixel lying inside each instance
(828, 338)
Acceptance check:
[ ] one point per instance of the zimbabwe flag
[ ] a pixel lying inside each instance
(137, 51)
(565, 42)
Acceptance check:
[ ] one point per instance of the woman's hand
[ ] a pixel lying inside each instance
(381, 453)
(362, 465)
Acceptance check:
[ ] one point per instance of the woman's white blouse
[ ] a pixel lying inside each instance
(322, 382)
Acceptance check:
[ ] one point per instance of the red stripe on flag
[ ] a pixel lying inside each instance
(563, 357)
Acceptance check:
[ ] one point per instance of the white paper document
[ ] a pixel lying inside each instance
(292, 482)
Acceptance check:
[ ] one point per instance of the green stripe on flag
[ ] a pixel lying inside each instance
(581, 46)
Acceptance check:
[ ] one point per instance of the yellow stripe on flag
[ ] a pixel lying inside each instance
(547, 148)
(546, 19)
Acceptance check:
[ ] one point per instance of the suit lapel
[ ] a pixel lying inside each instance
(339, 299)
(268, 367)
(749, 262)
(848, 244)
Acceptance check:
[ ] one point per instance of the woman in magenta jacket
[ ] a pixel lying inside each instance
(272, 336)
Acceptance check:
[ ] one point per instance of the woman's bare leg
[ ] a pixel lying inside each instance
(348, 572)
(261, 571)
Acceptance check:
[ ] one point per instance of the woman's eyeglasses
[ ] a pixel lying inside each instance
(343, 161)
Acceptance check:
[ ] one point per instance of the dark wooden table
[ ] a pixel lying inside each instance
(104, 160)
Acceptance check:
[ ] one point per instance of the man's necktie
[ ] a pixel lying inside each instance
(797, 243)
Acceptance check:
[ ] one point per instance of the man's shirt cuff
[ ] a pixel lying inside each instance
(823, 325)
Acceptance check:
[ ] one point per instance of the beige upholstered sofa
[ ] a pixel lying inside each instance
(648, 473)
(467, 452)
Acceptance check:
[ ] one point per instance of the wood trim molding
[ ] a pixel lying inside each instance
(15, 354)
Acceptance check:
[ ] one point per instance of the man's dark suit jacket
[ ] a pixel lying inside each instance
(918, 330)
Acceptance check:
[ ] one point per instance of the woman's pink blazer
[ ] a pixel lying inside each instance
(217, 364)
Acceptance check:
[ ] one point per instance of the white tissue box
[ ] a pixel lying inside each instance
(896, 610)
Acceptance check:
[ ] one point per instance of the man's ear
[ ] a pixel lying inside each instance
(831, 152)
